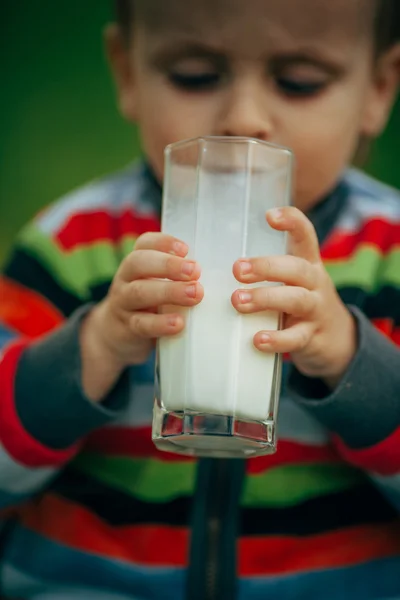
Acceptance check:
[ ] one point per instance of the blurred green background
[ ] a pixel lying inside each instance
(59, 125)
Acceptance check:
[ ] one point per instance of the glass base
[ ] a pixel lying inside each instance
(213, 436)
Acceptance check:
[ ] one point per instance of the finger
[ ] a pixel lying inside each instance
(147, 293)
(293, 339)
(141, 264)
(303, 238)
(290, 270)
(163, 243)
(295, 301)
(150, 325)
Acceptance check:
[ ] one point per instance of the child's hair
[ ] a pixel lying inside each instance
(387, 23)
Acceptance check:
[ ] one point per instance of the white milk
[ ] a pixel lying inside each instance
(213, 366)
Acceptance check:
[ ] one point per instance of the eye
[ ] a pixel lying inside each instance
(297, 87)
(195, 81)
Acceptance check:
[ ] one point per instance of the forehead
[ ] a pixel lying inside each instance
(273, 20)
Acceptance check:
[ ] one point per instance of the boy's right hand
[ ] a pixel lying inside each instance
(120, 331)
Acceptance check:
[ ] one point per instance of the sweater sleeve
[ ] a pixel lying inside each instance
(363, 412)
(44, 413)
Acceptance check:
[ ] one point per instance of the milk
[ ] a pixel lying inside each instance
(213, 366)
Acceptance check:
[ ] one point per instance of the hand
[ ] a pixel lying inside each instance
(120, 331)
(319, 331)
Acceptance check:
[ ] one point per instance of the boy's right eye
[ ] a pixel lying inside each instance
(195, 81)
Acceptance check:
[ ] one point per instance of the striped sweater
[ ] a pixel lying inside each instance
(89, 507)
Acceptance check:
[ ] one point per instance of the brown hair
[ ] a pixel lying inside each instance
(387, 22)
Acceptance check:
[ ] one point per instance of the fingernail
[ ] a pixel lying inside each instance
(276, 214)
(245, 267)
(191, 291)
(173, 321)
(188, 268)
(245, 297)
(179, 248)
(265, 338)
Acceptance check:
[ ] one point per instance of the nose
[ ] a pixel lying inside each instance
(245, 113)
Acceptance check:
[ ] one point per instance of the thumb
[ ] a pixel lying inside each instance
(303, 241)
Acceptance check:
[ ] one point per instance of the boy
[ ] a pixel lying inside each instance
(91, 509)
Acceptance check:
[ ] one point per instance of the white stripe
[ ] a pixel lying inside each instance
(390, 487)
(17, 584)
(368, 185)
(114, 194)
(17, 479)
(369, 200)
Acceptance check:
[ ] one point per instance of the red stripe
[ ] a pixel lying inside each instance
(396, 336)
(85, 228)
(149, 545)
(284, 555)
(21, 446)
(385, 326)
(382, 459)
(26, 311)
(164, 546)
(129, 442)
(137, 443)
(377, 232)
(293, 453)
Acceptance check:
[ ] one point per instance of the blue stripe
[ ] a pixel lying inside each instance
(51, 563)
(370, 581)
(7, 500)
(63, 568)
(14, 580)
(6, 335)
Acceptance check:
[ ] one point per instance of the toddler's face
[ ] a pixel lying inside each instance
(294, 72)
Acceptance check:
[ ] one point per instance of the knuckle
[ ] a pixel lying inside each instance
(171, 264)
(269, 264)
(303, 269)
(167, 293)
(115, 289)
(136, 324)
(118, 293)
(265, 297)
(263, 266)
(143, 324)
(134, 260)
(313, 302)
(303, 300)
(138, 291)
(303, 338)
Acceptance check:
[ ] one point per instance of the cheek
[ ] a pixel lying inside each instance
(324, 142)
(166, 117)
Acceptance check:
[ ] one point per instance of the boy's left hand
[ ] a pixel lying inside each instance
(319, 331)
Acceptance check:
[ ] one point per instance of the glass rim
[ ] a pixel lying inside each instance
(220, 139)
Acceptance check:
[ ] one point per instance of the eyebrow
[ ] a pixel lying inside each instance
(283, 61)
(164, 55)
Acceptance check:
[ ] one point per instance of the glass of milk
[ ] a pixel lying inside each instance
(216, 394)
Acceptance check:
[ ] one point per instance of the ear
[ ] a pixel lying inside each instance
(382, 95)
(119, 54)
